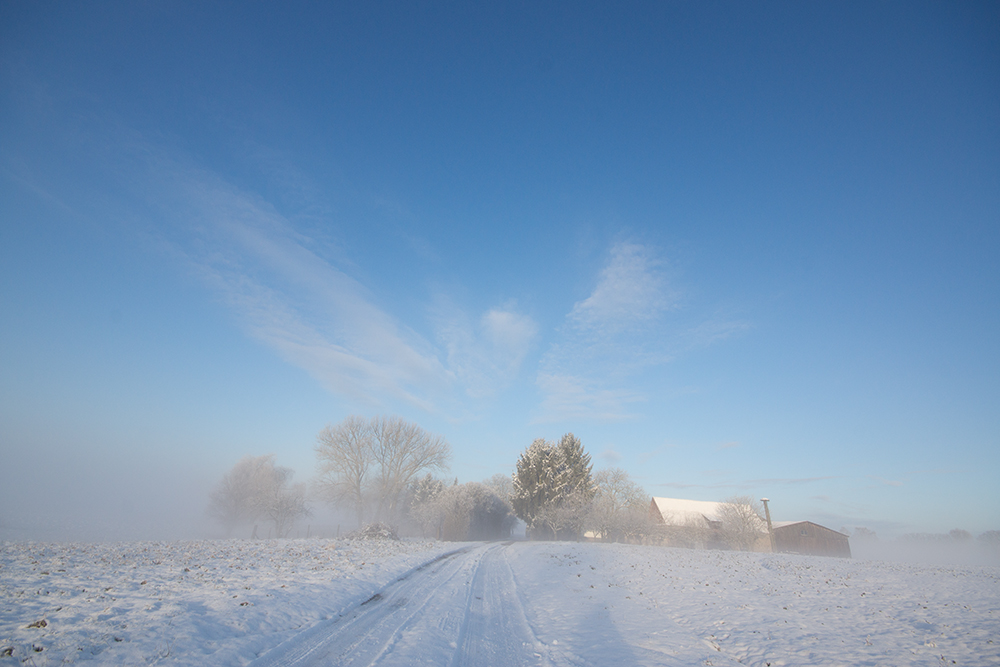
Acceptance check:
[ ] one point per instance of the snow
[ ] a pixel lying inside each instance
(213, 601)
(759, 609)
(302, 602)
(678, 511)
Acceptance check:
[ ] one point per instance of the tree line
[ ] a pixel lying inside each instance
(382, 470)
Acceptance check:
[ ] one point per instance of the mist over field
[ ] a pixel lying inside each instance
(499, 334)
(736, 251)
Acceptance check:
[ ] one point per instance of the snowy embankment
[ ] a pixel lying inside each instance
(201, 602)
(228, 602)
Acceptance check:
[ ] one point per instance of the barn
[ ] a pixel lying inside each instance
(681, 512)
(806, 537)
(691, 523)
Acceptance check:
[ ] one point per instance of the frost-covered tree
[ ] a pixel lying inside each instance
(283, 503)
(234, 500)
(492, 515)
(422, 509)
(372, 462)
(552, 486)
(574, 475)
(742, 523)
(533, 483)
(567, 517)
(402, 452)
(469, 511)
(990, 538)
(255, 488)
(501, 485)
(425, 489)
(620, 509)
(345, 459)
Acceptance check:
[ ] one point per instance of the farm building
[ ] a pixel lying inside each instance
(680, 512)
(806, 537)
(692, 523)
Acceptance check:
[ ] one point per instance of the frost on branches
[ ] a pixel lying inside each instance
(620, 510)
(553, 488)
(257, 489)
(370, 464)
(461, 512)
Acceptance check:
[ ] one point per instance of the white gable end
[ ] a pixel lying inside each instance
(682, 512)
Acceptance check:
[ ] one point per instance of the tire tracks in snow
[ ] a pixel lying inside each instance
(467, 609)
(460, 609)
(496, 631)
(371, 632)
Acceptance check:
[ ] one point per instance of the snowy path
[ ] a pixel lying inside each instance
(299, 603)
(466, 608)
(460, 608)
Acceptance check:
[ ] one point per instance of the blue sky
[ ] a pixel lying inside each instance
(735, 248)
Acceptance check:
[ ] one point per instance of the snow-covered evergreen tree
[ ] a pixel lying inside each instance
(552, 486)
(574, 477)
(533, 482)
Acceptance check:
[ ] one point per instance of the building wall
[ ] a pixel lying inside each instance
(810, 538)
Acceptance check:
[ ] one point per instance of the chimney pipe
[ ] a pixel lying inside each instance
(770, 531)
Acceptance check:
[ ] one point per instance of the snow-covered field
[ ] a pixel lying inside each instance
(201, 602)
(767, 609)
(230, 602)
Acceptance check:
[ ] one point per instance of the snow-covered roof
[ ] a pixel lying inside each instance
(679, 511)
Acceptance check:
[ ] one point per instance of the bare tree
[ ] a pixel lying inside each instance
(345, 460)
(620, 509)
(568, 516)
(401, 452)
(742, 523)
(689, 534)
(280, 503)
(256, 488)
(235, 499)
(378, 458)
(502, 485)
(990, 538)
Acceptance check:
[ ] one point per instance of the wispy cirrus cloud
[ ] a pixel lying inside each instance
(487, 353)
(883, 481)
(286, 291)
(606, 338)
(610, 455)
(297, 302)
(278, 277)
(631, 292)
(715, 329)
(575, 397)
(624, 328)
